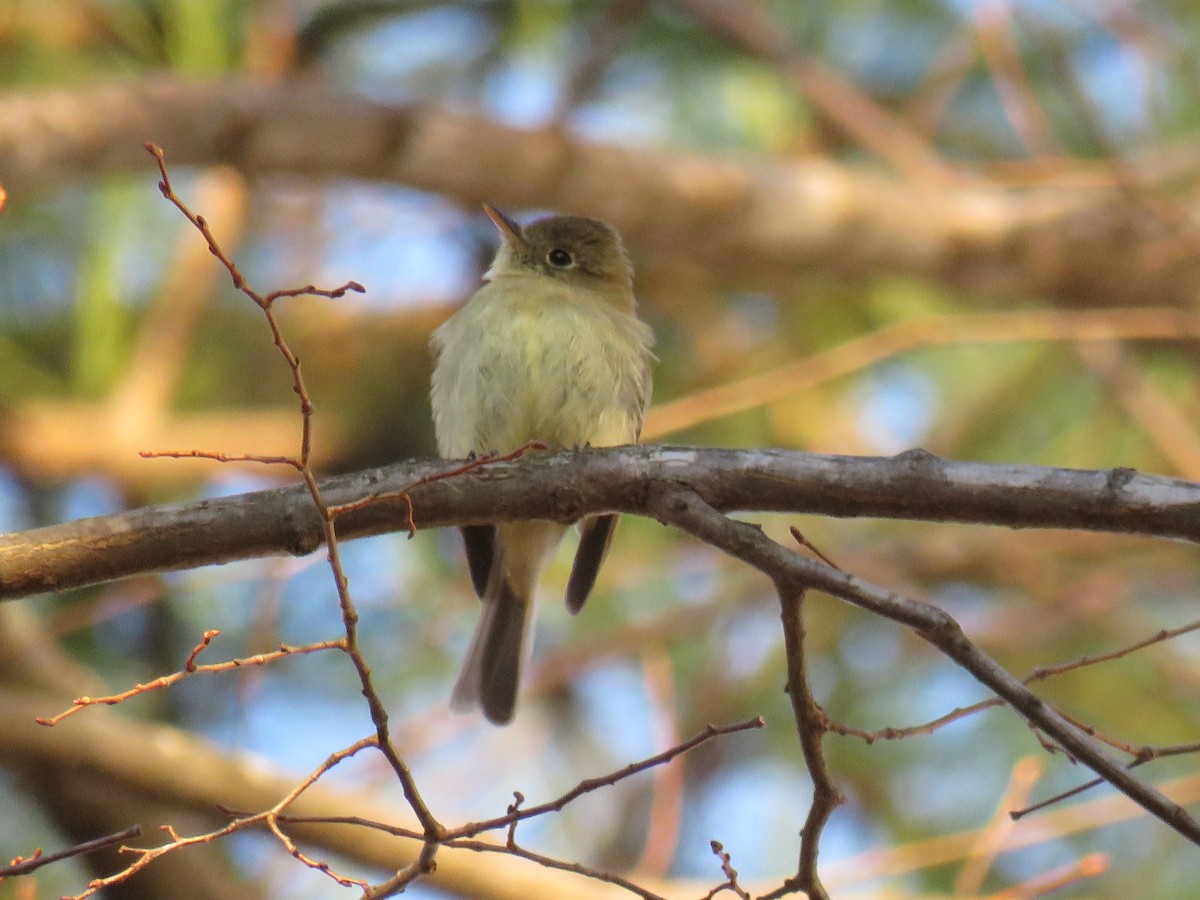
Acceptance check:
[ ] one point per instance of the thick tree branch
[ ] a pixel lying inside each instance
(760, 221)
(565, 486)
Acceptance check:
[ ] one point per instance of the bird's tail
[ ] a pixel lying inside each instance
(491, 673)
(595, 536)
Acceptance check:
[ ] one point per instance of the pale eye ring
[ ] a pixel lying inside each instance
(560, 258)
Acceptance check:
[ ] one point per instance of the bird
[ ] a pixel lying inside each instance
(549, 349)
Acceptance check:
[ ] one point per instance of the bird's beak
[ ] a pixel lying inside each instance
(507, 227)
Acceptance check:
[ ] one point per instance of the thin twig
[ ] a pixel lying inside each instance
(268, 818)
(25, 865)
(190, 669)
(472, 463)
(730, 873)
(1038, 674)
(811, 547)
(551, 863)
(990, 839)
(1142, 755)
(591, 784)
(221, 457)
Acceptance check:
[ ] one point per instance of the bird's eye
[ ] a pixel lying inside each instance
(560, 258)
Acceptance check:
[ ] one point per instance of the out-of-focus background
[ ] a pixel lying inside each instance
(966, 226)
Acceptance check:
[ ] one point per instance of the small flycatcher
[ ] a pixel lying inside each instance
(550, 349)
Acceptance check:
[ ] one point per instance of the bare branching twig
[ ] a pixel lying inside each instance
(190, 668)
(302, 464)
(267, 818)
(793, 572)
(1039, 674)
(465, 836)
(731, 875)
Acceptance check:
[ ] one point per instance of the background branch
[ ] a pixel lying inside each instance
(1077, 246)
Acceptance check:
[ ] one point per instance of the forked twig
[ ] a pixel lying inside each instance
(464, 837)
(189, 669)
(301, 463)
(268, 818)
(1038, 674)
(730, 873)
